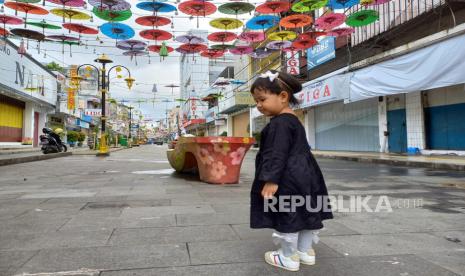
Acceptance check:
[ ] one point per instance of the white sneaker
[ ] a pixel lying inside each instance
(276, 258)
(308, 257)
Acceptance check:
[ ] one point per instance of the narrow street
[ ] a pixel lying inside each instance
(130, 214)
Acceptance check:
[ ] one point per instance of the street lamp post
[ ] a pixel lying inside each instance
(104, 86)
(130, 126)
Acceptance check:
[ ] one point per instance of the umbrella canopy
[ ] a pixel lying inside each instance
(62, 38)
(25, 1)
(81, 29)
(190, 39)
(226, 23)
(278, 45)
(69, 3)
(197, 7)
(241, 50)
(156, 7)
(376, 2)
(260, 53)
(262, 22)
(273, 7)
(194, 48)
(113, 16)
(109, 5)
(26, 8)
(157, 35)
(44, 25)
(134, 53)
(362, 18)
(153, 21)
(157, 48)
(340, 32)
(252, 37)
(303, 42)
(29, 34)
(236, 8)
(4, 32)
(309, 5)
(296, 21)
(70, 14)
(10, 20)
(118, 31)
(311, 35)
(212, 53)
(342, 4)
(330, 21)
(222, 47)
(222, 37)
(283, 35)
(131, 44)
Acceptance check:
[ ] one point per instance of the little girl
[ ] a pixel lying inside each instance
(285, 168)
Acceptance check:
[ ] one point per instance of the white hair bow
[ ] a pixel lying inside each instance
(270, 75)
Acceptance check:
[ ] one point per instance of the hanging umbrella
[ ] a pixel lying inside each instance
(296, 21)
(197, 8)
(283, 35)
(26, 8)
(194, 48)
(118, 31)
(311, 35)
(4, 32)
(262, 22)
(109, 5)
(375, 2)
(362, 18)
(309, 5)
(342, 4)
(28, 34)
(80, 29)
(172, 86)
(112, 16)
(222, 37)
(330, 21)
(156, 7)
(153, 21)
(10, 20)
(278, 45)
(260, 53)
(63, 39)
(236, 8)
(303, 42)
(271, 7)
(24, 1)
(212, 53)
(155, 34)
(252, 37)
(340, 32)
(70, 14)
(44, 25)
(157, 48)
(222, 47)
(131, 44)
(226, 23)
(69, 3)
(190, 39)
(135, 53)
(70, 43)
(241, 50)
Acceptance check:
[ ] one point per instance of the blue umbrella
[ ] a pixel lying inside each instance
(156, 7)
(342, 4)
(262, 22)
(117, 31)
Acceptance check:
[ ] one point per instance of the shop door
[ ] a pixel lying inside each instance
(36, 129)
(397, 128)
(445, 129)
(11, 119)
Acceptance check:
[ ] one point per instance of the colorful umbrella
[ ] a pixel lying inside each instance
(190, 39)
(131, 44)
(110, 5)
(311, 35)
(197, 8)
(118, 31)
(296, 21)
(26, 8)
(278, 45)
(212, 54)
(69, 3)
(112, 16)
(80, 29)
(273, 7)
(28, 34)
(340, 32)
(172, 86)
(44, 25)
(156, 7)
(283, 35)
(330, 21)
(134, 53)
(222, 37)
(157, 48)
(10, 20)
(362, 18)
(342, 4)
(309, 5)
(153, 21)
(71, 14)
(155, 34)
(226, 23)
(375, 2)
(222, 47)
(303, 42)
(4, 32)
(252, 37)
(241, 50)
(260, 53)
(194, 48)
(236, 8)
(25, 1)
(262, 22)
(63, 39)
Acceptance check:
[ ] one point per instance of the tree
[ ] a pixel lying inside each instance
(53, 66)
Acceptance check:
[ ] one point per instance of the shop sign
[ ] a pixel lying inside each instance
(321, 53)
(93, 112)
(293, 63)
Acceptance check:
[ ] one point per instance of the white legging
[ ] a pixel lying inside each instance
(291, 242)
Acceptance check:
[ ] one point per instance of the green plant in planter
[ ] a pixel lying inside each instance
(81, 137)
(72, 137)
(257, 136)
(224, 133)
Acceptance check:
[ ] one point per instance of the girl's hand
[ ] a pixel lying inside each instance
(269, 189)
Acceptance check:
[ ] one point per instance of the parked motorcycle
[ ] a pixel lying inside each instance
(51, 142)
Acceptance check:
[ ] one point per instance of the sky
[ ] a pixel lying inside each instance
(147, 74)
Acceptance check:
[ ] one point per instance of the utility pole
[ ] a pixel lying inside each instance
(130, 126)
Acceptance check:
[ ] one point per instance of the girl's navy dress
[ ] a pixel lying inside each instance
(284, 158)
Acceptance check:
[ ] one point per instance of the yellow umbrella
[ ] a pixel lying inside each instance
(282, 36)
(71, 14)
(226, 23)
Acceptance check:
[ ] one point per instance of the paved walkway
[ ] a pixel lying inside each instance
(129, 214)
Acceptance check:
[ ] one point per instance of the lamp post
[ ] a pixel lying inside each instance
(103, 86)
(130, 126)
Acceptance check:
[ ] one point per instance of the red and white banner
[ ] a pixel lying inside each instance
(93, 112)
(293, 63)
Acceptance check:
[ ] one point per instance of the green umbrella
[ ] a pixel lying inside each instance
(28, 1)
(113, 16)
(223, 47)
(236, 8)
(362, 18)
(309, 5)
(44, 25)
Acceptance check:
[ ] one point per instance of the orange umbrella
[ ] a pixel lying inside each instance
(26, 8)
(273, 7)
(296, 21)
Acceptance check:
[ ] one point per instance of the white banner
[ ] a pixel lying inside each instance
(293, 63)
(329, 90)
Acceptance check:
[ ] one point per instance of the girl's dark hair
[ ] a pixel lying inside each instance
(284, 82)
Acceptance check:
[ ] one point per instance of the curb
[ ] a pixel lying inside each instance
(18, 160)
(95, 152)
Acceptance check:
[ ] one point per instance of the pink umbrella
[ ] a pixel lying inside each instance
(341, 32)
(11, 20)
(252, 36)
(69, 3)
(330, 21)
(278, 45)
(241, 50)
